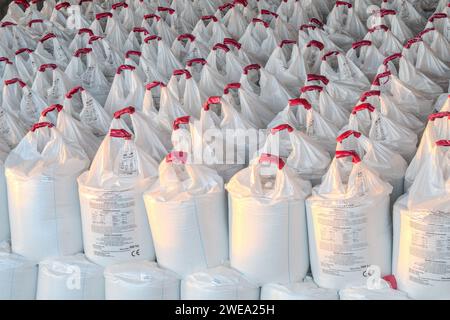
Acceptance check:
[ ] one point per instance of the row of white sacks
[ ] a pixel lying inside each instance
(76, 278)
(127, 167)
(45, 83)
(187, 211)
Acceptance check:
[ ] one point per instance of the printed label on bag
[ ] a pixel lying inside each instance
(428, 236)
(87, 77)
(128, 162)
(342, 244)
(113, 223)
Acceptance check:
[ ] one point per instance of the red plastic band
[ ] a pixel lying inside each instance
(232, 42)
(166, 9)
(210, 101)
(210, 17)
(329, 54)
(300, 101)
(347, 134)
(39, 125)
(14, 81)
(133, 53)
(120, 133)
(180, 72)
(287, 41)
(269, 158)
(177, 156)
(82, 51)
(62, 5)
(348, 153)
(53, 107)
(152, 16)
(344, 3)
(102, 15)
(181, 120)
(125, 67)
(370, 93)
(394, 56)
(281, 127)
(221, 46)
(363, 106)
(140, 30)
(30, 24)
(186, 36)
(362, 43)
(269, 13)
(254, 66)
(74, 91)
(317, 77)
(311, 88)
(314, 43)
(201, 61)
(154, 84)
(46, 66)
(127, 110)
(234, 85)
(439, 115)
(264, 23)
(47, 37)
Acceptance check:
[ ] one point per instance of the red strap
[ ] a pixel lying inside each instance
(254, 66)
(347, 134)
(234, 43)
(300, 101)
(424, 32)
(152, 37)
(30, 24)
(177, 156)
(94, 38)
(181, 120)
(241, 2)
(370, 93)
(62, 5)
(6, 60)
(359, 44)
(264, 23)
(82, 51)
(125, 67)
(379, 27)
(376, 81)
(86, 30)
(7, 24)
(269, 158)
(317, 77)
(307, 26)
(201, 61)
(186, 36)
(221, 46)
(154, 84)
(348, 153)
(166, 9)
(210, 17)
(329, 54)
(311, 88)
(152, 16)
(391, 280)
(435, 16)
(53, 107)
(412, 41)
(386, 12)
(39, 125)
(287, 41)
(394, 56)
(180, 72)
(120, 133)
(25, 3)
(102, 15)
(344, 3)
(118, 5)
(226, 6)
(363, 106)
(22, 50)
(14, 81)
(74, 91)
(269, 13)
(439, 115)
(316, 22)
(140, 30)
(234, 85)
(47, 37)
(281, 127)
(314, 43)
(133, 53)
(46, 66)
(443, 143)
(210, 101)
(127, 110)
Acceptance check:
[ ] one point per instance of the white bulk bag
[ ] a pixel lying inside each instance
(373, 288)
(348, 223)
(72, 129)
(115, 226)
(44, 166)
(304, 290)
(268, 222)
(140, 280)
(366, 56)
(220, 283)
(301, 153)
(4, 217)
(438, 128)
(228, 151)
(12, 94)
(421, 267)
(18, 277)
(70, 278)
(31, 106)
(127, 89)
(378, 127)
(146, 135)
(251, 106)
(187, 215)
(388, 164)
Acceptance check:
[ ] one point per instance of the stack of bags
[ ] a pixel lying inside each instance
(124, 127)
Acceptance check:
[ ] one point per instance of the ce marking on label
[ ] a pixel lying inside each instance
(135, 253)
